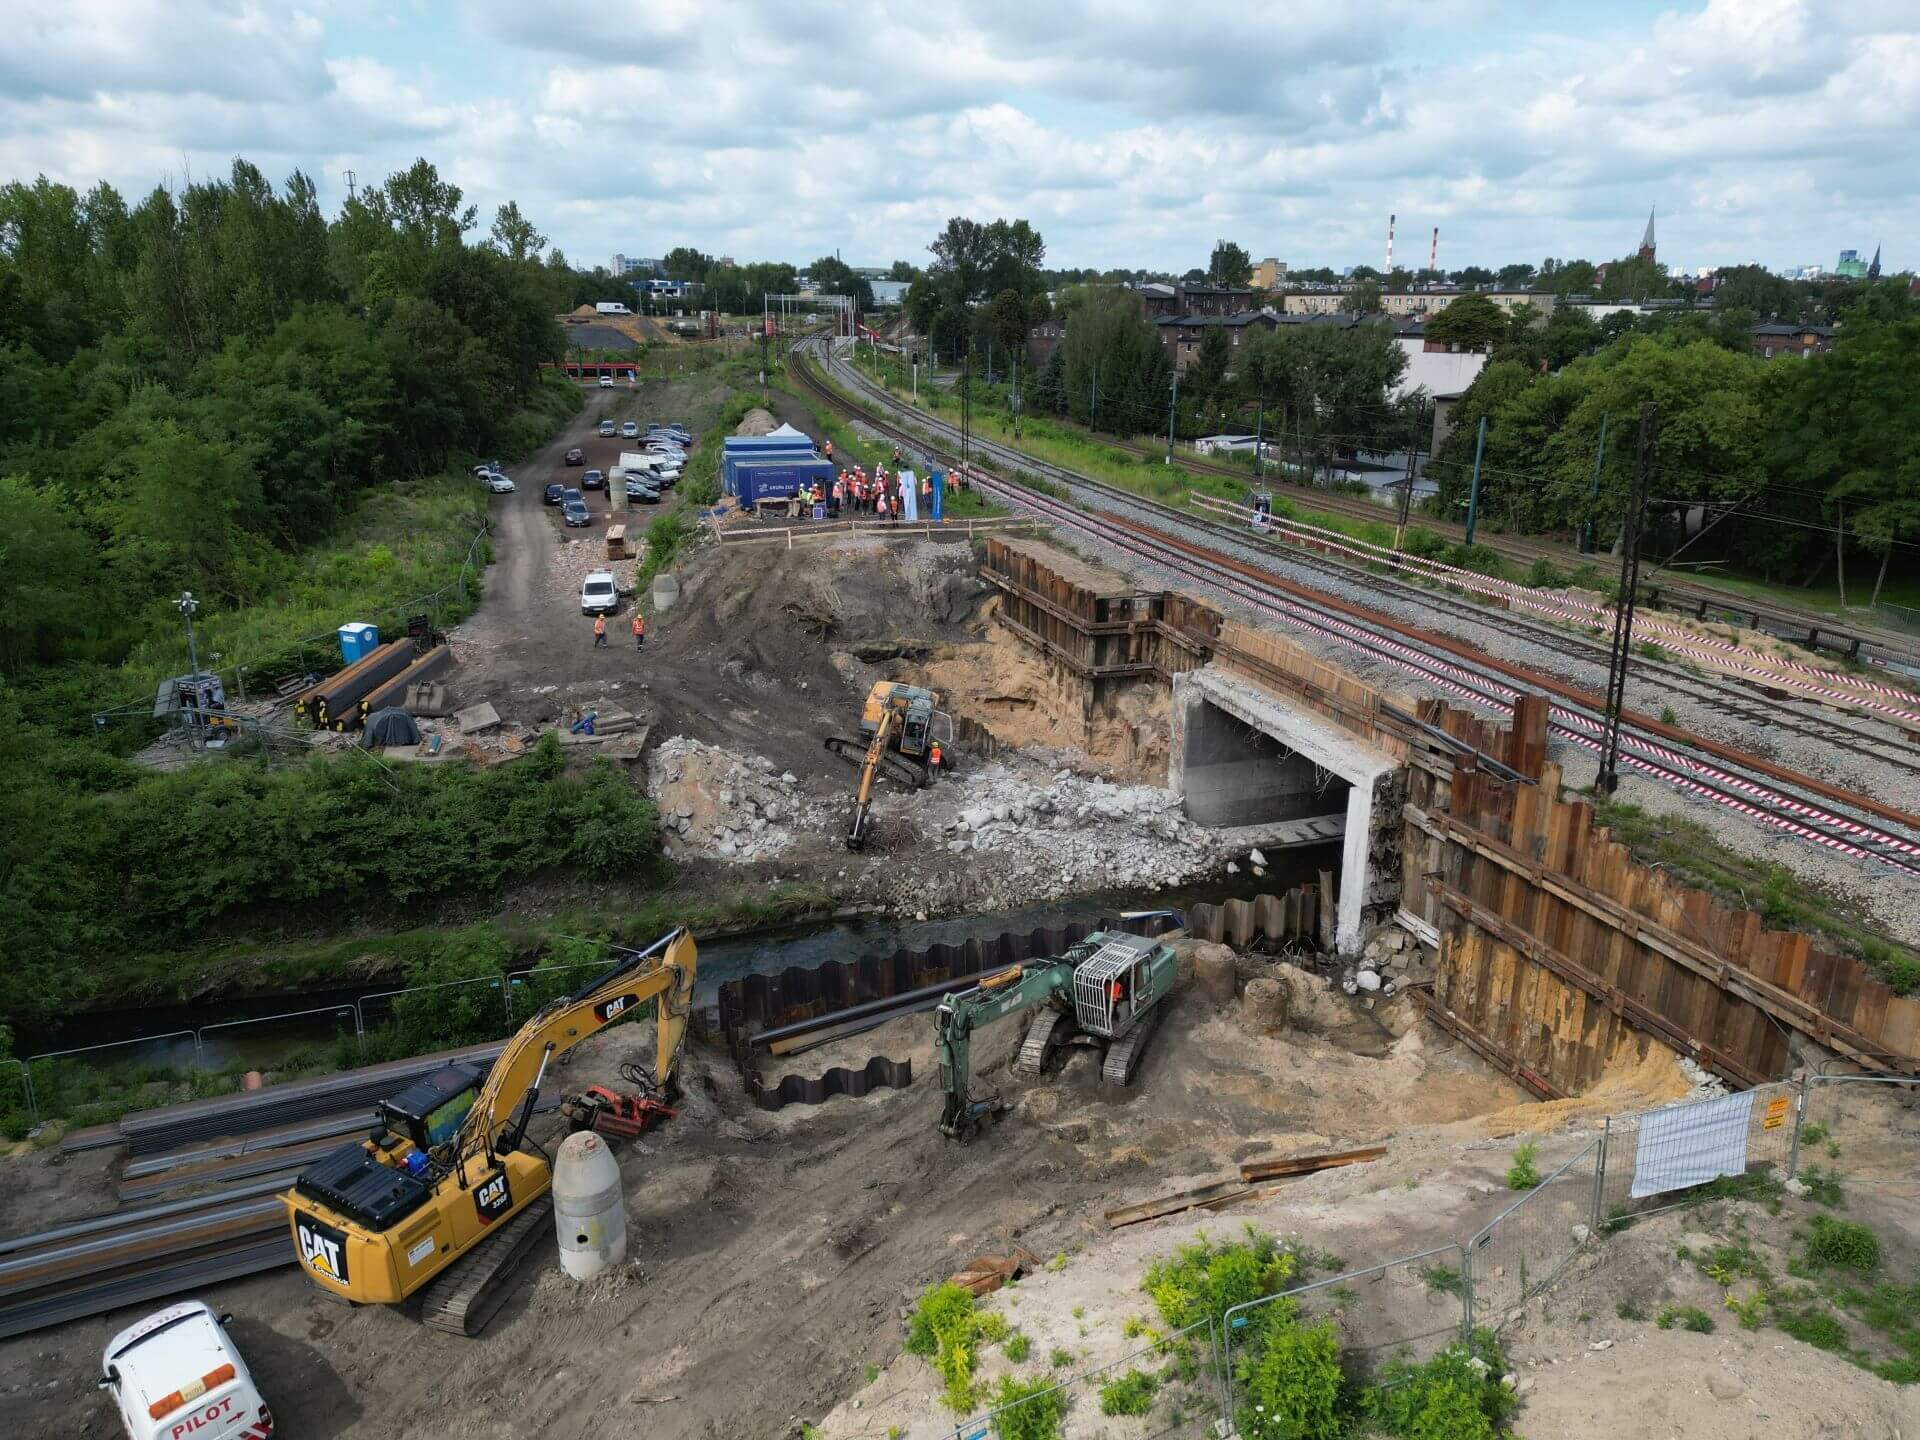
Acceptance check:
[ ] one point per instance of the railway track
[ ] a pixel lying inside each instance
(1801, 805)
(1782, 621)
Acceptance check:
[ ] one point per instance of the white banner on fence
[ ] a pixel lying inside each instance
(1691, 1144)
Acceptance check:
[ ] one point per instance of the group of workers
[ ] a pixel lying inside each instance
(638, 625)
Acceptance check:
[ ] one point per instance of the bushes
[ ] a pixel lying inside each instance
(1207, 1279)
(1129, 1394)
(1844, 1244)
(1035, 1409)
(1521, 1174)
(665, 537)
(1545, 575)
(948, 1330)
(177, 856)
(1457, 1395)
(1292, 1380)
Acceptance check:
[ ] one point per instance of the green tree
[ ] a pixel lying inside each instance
(683, 262)
(49, 576)
(903, 271)
(515, 236)
(1363, 298)
(1470, 323)
(833, 276)
(1515, 276)
(1471, 276)
(1754, 288)
(1228, 266)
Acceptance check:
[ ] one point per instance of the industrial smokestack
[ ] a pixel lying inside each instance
(1390, 220)
(1433, 254)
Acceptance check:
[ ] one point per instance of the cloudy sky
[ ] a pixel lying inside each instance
(1128, 133)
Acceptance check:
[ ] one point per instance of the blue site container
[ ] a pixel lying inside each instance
(776, 478)
(731, 463)
(358, 639)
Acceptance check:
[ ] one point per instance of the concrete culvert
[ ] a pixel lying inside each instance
(589, 1209)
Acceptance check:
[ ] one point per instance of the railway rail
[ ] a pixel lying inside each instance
(1801, 805)
(1871, 642)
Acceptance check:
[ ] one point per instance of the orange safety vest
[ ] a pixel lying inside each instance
(933, 755)
(599, 624)
(639, 623)
(1113, 992)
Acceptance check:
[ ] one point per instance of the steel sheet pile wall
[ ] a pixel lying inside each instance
(755, 1004)
(1558, 950)
(1093, 620)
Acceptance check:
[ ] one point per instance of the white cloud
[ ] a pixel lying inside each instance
(1129, 134)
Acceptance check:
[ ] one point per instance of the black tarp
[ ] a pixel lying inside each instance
(392, 726)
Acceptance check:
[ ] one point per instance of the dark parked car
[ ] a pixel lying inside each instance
(574, 512)
(576, 456)
(642, 493)
(556, 492)
(593, 480)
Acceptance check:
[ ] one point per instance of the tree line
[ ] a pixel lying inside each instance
(1801, 465)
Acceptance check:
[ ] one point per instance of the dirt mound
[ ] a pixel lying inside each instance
(757, 422)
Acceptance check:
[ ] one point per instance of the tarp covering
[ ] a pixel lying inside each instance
(392, 726)
(1687, 1145)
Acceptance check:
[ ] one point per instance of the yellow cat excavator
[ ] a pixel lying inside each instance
(902, 730)
(447, 1194)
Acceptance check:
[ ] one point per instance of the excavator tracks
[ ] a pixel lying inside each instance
(898, 768)
(464, 1297)
(1038, 1049)
(1123, 1056)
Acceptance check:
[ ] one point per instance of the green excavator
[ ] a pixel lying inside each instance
(1108, 992)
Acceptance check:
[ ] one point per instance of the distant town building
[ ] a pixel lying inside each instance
(1269, 274)
(887, 293)
(626, 265)
(1770, 340)
(1418, 302)
(1851, 266)
(1182, 335)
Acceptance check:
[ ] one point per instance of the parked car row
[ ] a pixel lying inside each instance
(494, 478)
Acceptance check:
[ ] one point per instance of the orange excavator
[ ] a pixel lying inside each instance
(904, 735)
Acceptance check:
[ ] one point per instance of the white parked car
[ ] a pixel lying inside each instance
(176, 1375)
(599, 595)
(606, 382)
(629, 429)
(499, 484)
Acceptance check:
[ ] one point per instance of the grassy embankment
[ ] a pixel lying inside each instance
(122, 886)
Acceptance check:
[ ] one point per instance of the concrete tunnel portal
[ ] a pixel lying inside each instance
(1244, 759)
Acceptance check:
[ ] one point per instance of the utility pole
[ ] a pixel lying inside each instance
(1172, 405)
(1093, 401)
(1593, 493)
(1473, 495)
(1618, 653)
(766, 328)
(1259, 430)
(966, 408)
(1013, 396)
(1406, 489)
(186, 605)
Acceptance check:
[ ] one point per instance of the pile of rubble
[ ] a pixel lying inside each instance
(725, 806)
(1057, 831)
(1384, 963)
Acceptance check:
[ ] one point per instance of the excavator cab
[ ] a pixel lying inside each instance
(431, 1110)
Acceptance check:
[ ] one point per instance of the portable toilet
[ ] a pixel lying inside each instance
(358, 639)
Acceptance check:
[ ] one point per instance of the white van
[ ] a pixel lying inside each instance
(176, 1376)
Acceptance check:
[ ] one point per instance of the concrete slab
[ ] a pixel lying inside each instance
(477, 719)
(1220, 772)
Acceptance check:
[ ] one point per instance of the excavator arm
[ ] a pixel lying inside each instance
(869, 769)
(1006, 992)
(663, 971)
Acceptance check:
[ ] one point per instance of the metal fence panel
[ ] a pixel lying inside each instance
(1185, 1399)
(1411, 1309)
(1526, 1245)
(1771, 1127)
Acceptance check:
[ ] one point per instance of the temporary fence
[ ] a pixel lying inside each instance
(1406, 1309)
(1178, 1395)
(1529, 1242)
(1841, 1114)
(1654, 1161)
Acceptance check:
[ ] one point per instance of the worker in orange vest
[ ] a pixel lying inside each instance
(933, 755)
(829, 449)
(639, 630)
(599, 632)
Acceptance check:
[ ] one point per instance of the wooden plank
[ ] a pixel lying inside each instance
(1216, 1196)
(1308, 1164)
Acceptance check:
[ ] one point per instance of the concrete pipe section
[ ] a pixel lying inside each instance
(589, 1209)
